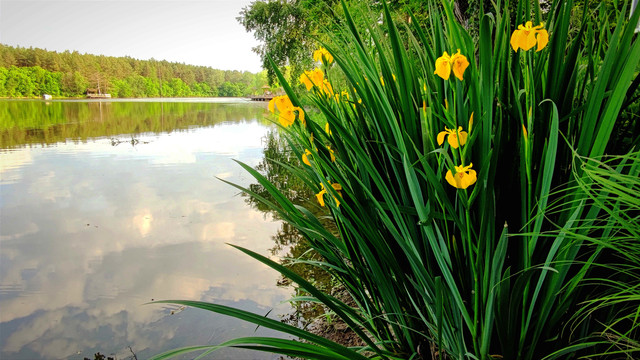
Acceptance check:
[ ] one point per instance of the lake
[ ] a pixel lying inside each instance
(107, 205)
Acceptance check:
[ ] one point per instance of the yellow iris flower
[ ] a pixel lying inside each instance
(527, 36)
(443, 66)
(312, 78)
(280, 103)
(457, 63)
(332, 154)
(323, 56)
(288, 116)
(464, 177)
(320, 196)
(327, 88)
(287, 111)
(454, 137)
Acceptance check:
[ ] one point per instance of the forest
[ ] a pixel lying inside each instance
(32, 72)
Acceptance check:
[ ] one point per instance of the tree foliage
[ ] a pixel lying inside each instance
(27, 72)
(284, 31)
(289, 30)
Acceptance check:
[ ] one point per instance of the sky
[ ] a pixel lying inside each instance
(195, 32)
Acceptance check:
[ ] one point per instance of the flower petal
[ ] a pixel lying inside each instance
(287, 117)
(472, 177)
(300, 114)
(460, 63)
(441, 136)
(543, 39)
(333, 159)
(453, 140)
(320, 197)
(450, 179)
(443, 67)
(527, 40)
(272, 105)
(462, 136)
(305, 158)
(515, 40)
(304, 79)
(326, 88)
(283, 103)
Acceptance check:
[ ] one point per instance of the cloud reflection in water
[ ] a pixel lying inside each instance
(92, 231)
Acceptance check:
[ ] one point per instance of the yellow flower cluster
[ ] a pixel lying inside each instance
(315, 81)
(464, 176)
(287, 111)
(525, 37)
(445, 64)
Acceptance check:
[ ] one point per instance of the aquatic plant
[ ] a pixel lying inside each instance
(517, 237)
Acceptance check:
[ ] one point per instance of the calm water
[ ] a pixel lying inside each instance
(105, 206)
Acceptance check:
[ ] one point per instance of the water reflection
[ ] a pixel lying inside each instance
(288, 243)
(93, 229)
(24, 122)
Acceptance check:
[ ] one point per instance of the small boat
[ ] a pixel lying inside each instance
(46, 97)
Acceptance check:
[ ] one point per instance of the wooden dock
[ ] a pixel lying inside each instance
(98, 96)
(266, 97)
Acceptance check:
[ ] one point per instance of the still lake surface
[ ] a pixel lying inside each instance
(106, 205)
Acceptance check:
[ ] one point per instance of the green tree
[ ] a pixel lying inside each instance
(51, 84)
(138, 85)
(283, 29)
(180, 88)
(19, 83)
(121, 88)
(4, 73)
(152, 87)
(73, 83)
(231, 89)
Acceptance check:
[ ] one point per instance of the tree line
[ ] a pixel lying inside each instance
(30, 72)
